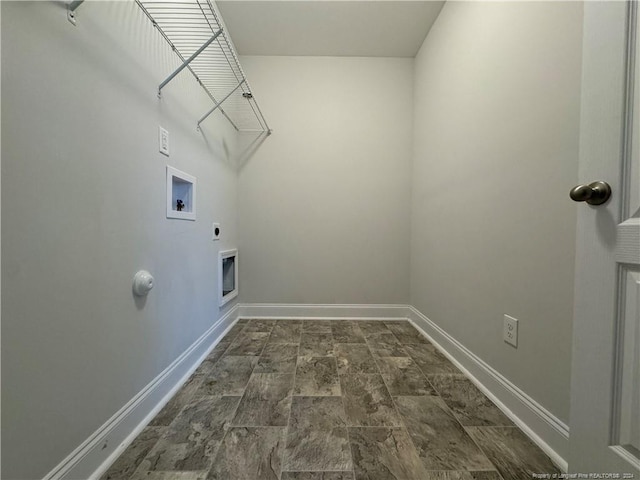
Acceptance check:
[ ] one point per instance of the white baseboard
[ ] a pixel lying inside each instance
(540, 425)
(328, 312)
(96, 454)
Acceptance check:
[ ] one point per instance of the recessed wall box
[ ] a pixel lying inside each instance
(227, 276)
(181, 195)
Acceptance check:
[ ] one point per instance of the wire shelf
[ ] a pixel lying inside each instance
(195, 31)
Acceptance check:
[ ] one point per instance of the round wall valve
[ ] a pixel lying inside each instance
(142, 283)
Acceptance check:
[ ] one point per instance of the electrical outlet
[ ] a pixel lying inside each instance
(510, 330)
(163, 141)
(215, 231)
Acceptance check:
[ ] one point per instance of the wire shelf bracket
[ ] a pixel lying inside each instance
(196, 33)
(188, 61)
(218, 105)
(71, 10)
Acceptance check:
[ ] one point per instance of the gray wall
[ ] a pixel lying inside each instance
(497, 97)
(323, 205)
(83, 187)
(330, 208)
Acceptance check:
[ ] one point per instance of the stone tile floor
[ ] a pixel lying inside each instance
(329, 400)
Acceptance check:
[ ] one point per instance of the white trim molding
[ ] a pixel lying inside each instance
(325, 311)
(541, 426)
(96, 454)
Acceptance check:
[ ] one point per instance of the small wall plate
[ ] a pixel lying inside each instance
(163, 141)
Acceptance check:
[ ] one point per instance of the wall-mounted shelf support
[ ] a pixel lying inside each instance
(188, 27)
(71, 10)
(188, 61)
(218, 104)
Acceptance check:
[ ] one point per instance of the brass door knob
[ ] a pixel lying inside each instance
(595, 193)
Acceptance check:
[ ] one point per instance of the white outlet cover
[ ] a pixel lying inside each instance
(510, 330)
(163, 141)
(214, 235)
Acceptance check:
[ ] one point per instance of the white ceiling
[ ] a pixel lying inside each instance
(329, 28)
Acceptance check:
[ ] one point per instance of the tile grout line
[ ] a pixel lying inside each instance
(243, 395)
(394, 408)
(190, 399)
(480, 448)
(288, 426)
(235, 411)
(244, 390)
(450, 410)
(353, 463)
(285, 429)
(344, 408)
(401, 417)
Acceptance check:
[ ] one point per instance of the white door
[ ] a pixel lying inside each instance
(605, 387)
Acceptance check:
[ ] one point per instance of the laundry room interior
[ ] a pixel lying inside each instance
(382, 183)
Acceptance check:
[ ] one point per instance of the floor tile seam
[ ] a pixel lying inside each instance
(139, 465)
(316, 356)
(335, 362)
(353, 461)
(398, 339)
(193, 395)
(494, 427)
(425, 377)
(385, 333)
(359, 373)
(264, 345)
(455, 414)
(288, 425)
(378, 371)
(406, 429)
(314, 471)
(385, 427)
(226, 430)
(214, 363)
(244, 389)
(215, 457)
(459, 422)
(316, 396)
(280, 427)
(472, 439)
(256, 426)
(186, 403)
(455, 417)
(416, 362)
(395, 407)
(344, 409)
(280, 343)
(458, 418)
